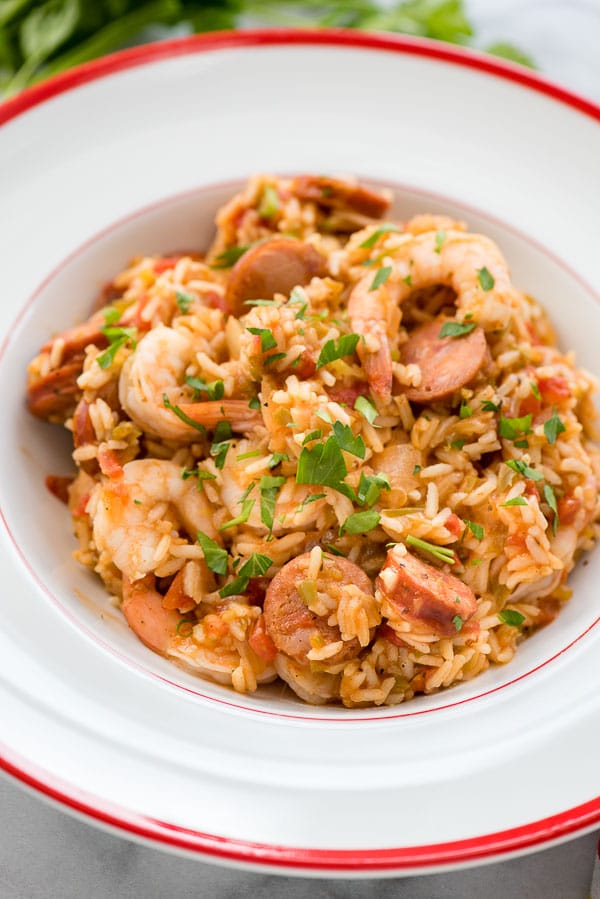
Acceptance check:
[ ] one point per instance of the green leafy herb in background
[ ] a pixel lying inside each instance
(38, 39)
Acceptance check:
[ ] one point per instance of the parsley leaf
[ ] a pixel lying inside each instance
(440, 237)
(214, 389)
(269, 488)
(465, 411)
(199, 473)
(242, 518)
(277, 459)
(269, 202)
(267, 341)
(476, 529)
(117, 337)
(456, 329)
(522, 468)
(214, 556)
(181, 414)
(457, 622)
(488, 406)
(553, 427)
(360, 522)
(229, 257)
(366, 408)
(511, 617)
(220, 445)
(535, 390)
(550, 498)
(485, 278)
(256, 566)
(370, 487)
(346, 346)
(323, 464)
(381, 277)
(184, 301)
(372, 240)
(347, 441)
(511, 428)
(314, 435)
(515, 501)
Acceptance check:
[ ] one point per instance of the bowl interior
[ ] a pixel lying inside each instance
(33, 449)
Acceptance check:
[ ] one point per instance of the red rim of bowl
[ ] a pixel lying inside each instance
(171, 836)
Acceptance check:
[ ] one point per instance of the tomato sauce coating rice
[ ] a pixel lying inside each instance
(335, 449)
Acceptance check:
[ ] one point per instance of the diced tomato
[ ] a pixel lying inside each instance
(388, 633)
(455, 525)
(79, 509)
(307, 366)
(163, 265)
(554, 390)
(568, 506)
(530, 406)
(531, 488)
(260, 641)
(215, 300)
(109, 464)
(176, 597)
(517, 540)
(533, 334)
(348, 395)
(58, 485)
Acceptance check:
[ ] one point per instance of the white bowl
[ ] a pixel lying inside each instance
(134, 154)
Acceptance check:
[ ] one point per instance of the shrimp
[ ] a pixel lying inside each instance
(410, 588)
(419, 261)
(227, 660)
(130, 520)
(320, 608)
(315, 687)
(156, 370)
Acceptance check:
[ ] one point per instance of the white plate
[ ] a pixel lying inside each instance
(129, 154)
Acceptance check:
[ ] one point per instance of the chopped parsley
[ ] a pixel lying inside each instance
(254, 403)
(347, 441)
(476, 529)
(346, 346)
(220, 444)
(334, 550)
(440, 237)
(117, 338)
(312, 498)
(314, 435)
(381, 277)
(297, 298)
(515, 501)
(524, 469)
(442, 553)
(199, 473)
(535, 390)
(360, 522)
(214, 556)
(465, 411)
(372, 240)
(512, 428)
(242, 518)
(511, 617)
(553, 427)
(488, 406)
(550, 498)
(324, 464)
(214, 389)
(456, 329)
(269, 202)
(275, 357)
(267, 341)
(417, 469)
(229, 257)
(366, 408)
(485, 278)
(457, 622)
(370, 487)
(522, 444)
(256, 566)
(184, 301)
(277, 459)
(457, 444)
(269, 488)
(181, 414)
(408, 280)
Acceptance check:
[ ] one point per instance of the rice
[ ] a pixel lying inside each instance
(272, 510)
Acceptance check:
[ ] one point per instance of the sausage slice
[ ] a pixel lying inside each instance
(422, 592)
(274, 266)
(446, 363)
(337, 194)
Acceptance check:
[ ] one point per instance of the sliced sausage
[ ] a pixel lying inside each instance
(425, 593)
(291, 624)
(274, 266)
(446, 363)
(338, 194)
(56, 393)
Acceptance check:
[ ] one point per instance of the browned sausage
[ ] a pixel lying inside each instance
(446, 363)
(56, 393)
(338, 194)
(289, 622)
(274, 266)
(422, 592)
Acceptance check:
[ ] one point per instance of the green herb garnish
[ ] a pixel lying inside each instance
(440, 237)
(256, 566)
(550, 498)
(438, 552)
(347, 441)
(360, 522)
(381, 277)
(117, 338)
(242, 518)
(488, 406)
(456, 329)
(511, 428)
(370, 487)
(366, 408)
(214, 389)
(184, 301)
(331, 351)
(269, 202)
(269, 488)
(465, 411)
(181, 414)
(214, 556)
(515, 501)
(372, 240)
(511, 617)
(229, 257)
(476, 529)
(457, 622)
(267, 341)
(485, 278)
(553, 427)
